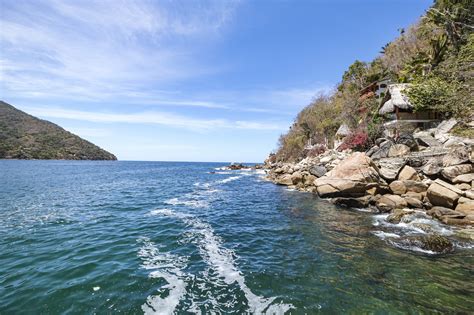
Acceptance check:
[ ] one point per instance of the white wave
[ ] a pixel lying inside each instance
(224, 173)
(221, 260)
(165, 266)
(189, 203)
(383, 235)
(228, 179)
(412, 248)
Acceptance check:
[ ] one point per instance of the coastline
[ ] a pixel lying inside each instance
(427, 188)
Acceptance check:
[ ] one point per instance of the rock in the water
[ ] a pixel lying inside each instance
(398, 149)
(397, 214)
(318, 170)
(335, 187)
(408, 173)
(443, 194)
(436, 243)
(389, 202)
(284, 180)
(452, 172)
(467, 234)
(296, 178)
(361, 202)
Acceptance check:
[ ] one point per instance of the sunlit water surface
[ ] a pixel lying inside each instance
(152, 237)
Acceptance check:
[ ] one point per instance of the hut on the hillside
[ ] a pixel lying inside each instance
(340, 135)
(400, 114)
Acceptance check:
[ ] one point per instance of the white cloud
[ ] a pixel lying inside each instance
(100, 49)
(157, 118)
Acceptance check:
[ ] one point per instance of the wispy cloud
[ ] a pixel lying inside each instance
(152, 117)
(94, 49)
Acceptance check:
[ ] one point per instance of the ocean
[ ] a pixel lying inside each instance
(83, 237)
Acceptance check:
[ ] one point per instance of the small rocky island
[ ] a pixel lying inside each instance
(23, 136)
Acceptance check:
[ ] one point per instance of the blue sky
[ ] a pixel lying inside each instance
(185, 80)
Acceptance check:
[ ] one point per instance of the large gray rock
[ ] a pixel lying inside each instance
(433, 167)
(335, 187)
(397, 215)
(382, 152)
(451, 172)
(443, 194)
(398, 149)
(389, 168)
(318, 170)
(457, 155)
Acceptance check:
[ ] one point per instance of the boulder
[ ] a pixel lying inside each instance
(284, 179)
(443, 194)
(372, 150)
(435, 243)
(467, 234)
(335, 187)
(463, 186)
(397, 187)
(408, 140)
(442, 212)
(433, 167)
(414, 202)
(390, 167)
(308, 179)
(357, 167)
(296, 178)
(398, 149)
(318, 170)
(383, 150)
(411, 194)
(443, 128)
(361, 202)
(452, 172)
(389, 202)
(397, 214)
(351, 177)
(464, 178)
(457, 155)
(415, 186)
(408, 173)
(466, 208)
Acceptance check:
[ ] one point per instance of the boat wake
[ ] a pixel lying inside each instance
(221, 261)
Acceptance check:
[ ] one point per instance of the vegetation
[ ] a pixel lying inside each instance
(23, 136)
(435, 55)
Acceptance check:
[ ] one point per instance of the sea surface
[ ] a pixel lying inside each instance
(81, 237)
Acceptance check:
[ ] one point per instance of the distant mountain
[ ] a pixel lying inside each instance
(23, 136)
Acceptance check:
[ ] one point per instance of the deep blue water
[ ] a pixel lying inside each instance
(80, 237)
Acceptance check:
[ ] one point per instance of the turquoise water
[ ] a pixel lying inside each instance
(151, 237)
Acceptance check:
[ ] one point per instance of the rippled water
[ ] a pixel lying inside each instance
(150, 237)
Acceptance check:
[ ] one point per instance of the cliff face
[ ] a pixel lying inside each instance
(23, 136)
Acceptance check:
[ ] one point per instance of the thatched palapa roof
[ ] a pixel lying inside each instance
(343, 130)
(397, 98)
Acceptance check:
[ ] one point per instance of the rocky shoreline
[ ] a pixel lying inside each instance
(428, 175)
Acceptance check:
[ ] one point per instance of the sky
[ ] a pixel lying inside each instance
(185, 80)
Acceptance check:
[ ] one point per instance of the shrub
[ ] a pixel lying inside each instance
(357, 140)
(316, 150)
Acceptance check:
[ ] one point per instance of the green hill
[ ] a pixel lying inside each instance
(23, 136)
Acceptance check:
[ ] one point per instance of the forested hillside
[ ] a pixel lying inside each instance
(435, 55)
(23, 136)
